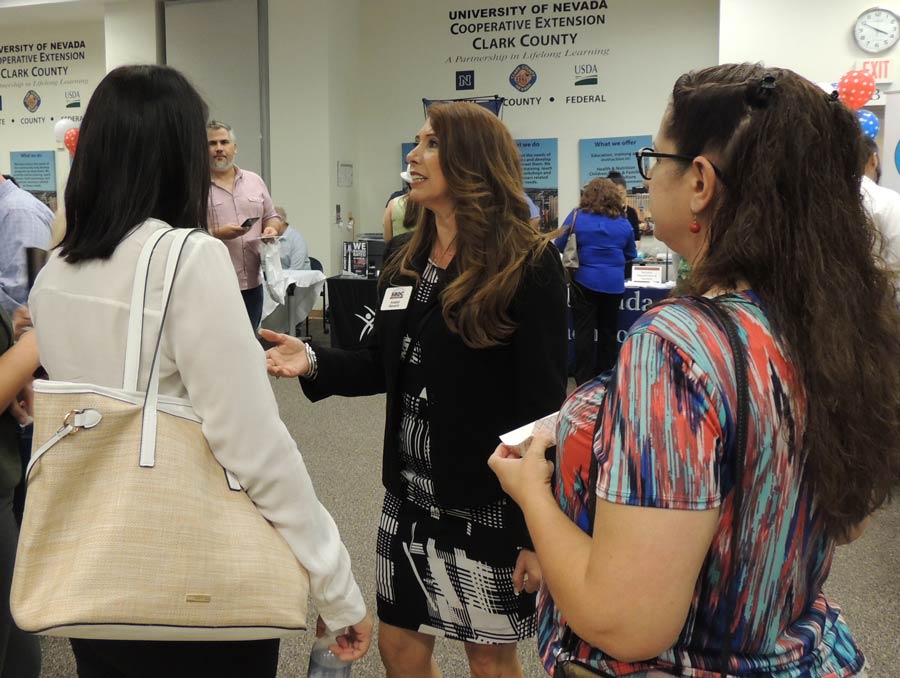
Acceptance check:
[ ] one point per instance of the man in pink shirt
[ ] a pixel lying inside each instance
(240, 212)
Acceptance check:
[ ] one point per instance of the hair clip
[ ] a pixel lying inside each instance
(834, 97)
(758, 93)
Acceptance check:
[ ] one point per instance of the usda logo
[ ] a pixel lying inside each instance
(586, 74)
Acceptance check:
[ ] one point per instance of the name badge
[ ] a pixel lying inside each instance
(396, 298)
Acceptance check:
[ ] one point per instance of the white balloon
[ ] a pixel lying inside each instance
(62, 126)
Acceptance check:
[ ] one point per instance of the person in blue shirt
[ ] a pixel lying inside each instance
(534, 214)
(24, 222)
(294, 250)
(605, 242)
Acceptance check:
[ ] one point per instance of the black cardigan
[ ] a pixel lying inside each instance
(474, 395)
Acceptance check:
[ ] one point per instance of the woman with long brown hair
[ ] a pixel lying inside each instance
(709, 553)
(470, 342)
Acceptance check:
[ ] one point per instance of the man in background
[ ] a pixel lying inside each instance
(240, 213)
(24, 222)
(294, 250)
(882, 204)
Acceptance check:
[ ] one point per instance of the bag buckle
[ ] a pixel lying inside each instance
(79, 419)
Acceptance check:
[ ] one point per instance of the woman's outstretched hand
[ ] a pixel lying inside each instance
(287, 358)
(523, 475)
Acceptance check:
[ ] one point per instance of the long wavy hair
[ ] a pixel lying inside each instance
(495, 242)
(790, 222)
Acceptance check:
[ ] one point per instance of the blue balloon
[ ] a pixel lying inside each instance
(868, 121)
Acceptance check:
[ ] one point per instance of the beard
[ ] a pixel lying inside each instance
(222, 164)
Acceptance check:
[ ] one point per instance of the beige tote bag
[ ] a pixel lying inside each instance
(132, 529)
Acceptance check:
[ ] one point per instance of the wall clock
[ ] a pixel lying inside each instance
(876, 30)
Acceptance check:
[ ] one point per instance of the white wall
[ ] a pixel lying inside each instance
(214, 43)
(344, 116)
(313, 68)
(404, 51)
(811, 37)
(133, 33)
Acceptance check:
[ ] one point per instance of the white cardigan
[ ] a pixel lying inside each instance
(210, 357)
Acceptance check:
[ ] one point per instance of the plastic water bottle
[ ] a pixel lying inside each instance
(323, 663)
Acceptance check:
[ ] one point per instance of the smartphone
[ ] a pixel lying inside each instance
(249, 222)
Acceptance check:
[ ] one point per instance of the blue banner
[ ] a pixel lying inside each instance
(540, 162)
(405, 148)
(598, 157)
(34, 171)
(540, 174)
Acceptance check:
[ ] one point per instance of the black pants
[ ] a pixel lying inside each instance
(20, 652)
(594, 311)
(253, 301)
(154, 659)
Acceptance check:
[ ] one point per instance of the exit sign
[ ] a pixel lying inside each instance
(879, 68)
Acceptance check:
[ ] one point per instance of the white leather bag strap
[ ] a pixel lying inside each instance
(74, 421)
(151, 399)
(136, 315)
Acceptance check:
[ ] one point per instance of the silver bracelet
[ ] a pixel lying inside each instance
(313, 363)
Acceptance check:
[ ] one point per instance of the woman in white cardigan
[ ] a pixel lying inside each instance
(142, 164)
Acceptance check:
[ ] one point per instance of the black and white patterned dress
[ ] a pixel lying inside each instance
(442, 572)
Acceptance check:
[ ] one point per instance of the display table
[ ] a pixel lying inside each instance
(636, 300)
(303, 288)
(352, 302)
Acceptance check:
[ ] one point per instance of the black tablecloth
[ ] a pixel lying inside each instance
(352, 302)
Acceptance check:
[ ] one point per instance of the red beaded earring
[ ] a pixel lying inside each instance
(695, 227)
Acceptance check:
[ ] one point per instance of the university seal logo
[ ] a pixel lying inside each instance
(32, 101)
(522, 77)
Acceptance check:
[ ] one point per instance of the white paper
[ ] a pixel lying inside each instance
(646, 274)
(546, 425)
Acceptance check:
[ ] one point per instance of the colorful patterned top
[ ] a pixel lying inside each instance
(663, 441)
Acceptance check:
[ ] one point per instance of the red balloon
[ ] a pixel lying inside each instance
(71, 139)
(856, 88)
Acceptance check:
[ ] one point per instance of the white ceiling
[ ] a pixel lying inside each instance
(80, 11)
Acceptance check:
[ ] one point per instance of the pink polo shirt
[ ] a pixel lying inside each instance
(249, 197)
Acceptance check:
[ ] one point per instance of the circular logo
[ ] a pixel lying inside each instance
(32, 101)
(522, 77)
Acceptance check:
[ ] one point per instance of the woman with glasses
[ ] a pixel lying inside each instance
(605, 242)
(668, 546)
